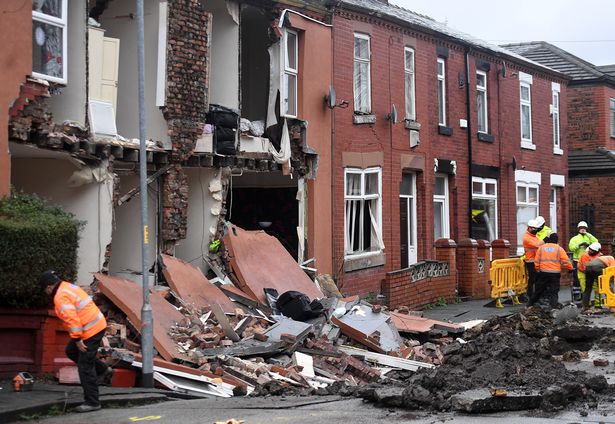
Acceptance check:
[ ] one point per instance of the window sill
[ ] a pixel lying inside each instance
(411, 124)
(363, 261)
(557, 151)
(363, 119)
(528, 145)
(486, 137)
(442, 130)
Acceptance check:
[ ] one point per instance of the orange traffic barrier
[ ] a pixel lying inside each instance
(606, 287)
(508, 279)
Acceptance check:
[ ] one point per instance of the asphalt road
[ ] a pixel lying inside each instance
(318, 410)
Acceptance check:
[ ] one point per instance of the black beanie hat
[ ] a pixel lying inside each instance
(48, 278)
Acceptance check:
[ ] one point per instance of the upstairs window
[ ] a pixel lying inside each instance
(49, 18)
(525, 99)
(612, 108)
(441, 92)
(409, 80)
(289, 82)
(557, 147)
(481, 101)
(363, 211)
(362, 84)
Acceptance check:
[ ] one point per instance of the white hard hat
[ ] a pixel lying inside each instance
(540, 221)
(533, 223)
(595, 246)
(582, 224)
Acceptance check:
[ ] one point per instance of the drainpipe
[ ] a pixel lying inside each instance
(469, 130)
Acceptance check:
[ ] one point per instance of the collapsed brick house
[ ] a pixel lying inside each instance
(591, 136)
(73, 124)
(477, 150)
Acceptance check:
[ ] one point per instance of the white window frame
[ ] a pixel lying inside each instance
(526, 186)
(409, 82)
(555, 115)
(444, 200)
(361, 252)
(411, 210)
(63, 24)
(481, 90)
(366, 105)
(482, 194)
(290, 73)
(526, 143)
(553, 209)
(612, 113)
(441, 99)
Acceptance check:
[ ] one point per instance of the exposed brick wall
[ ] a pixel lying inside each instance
(387, 88)
(588, 117)
(29, 116)
(188, 56)
(399, 290)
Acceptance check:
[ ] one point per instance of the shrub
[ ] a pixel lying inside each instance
(34, 237)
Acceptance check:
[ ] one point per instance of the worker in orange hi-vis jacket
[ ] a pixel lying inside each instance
(549, 261)
(593, 270)
(530, 247)
(86, 326)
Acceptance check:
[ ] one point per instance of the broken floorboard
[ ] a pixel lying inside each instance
(246, 348)
(259, 261)
(128, 297)
(189, 283)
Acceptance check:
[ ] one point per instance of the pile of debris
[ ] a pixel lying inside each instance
(238, 337)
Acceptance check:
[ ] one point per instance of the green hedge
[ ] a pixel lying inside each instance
(34, 237)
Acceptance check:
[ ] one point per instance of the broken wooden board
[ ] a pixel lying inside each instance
(259, 261)
(385, 360)
(189, 283)
(224, 323)
(372, 329)
(246, 348)
(128, 297)
(416, 325)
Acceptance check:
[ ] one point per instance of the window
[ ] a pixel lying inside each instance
(289, 82)
(362, 89)
(553, 209)
(363, 211)
(557, 148)
(441, 92)
(49, 40)
(440, 208)
(526, 114)
(484, 209)
(481, 101)
(612, 107)
(527, 208)
(409, 79)
(407, 220)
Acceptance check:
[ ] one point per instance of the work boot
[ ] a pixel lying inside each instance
(84, 407)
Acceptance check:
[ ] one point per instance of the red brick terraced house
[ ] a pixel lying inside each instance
(590, 137)
(444, 137)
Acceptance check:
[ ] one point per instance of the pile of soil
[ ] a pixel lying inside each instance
(513, 353)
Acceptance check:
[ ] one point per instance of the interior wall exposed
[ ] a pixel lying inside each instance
(224, 78)
(117, 22)
(90, 203)
(204, 208)
(254, 63)
(70, 103)
(126, 247)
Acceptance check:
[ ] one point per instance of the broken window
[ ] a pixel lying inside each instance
(49, 19)
(362, 54)
(363, 211)
(484, 208)
(409, 79)
(289, 81)
(440, 208)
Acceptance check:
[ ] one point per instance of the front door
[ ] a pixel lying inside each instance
(407, 219)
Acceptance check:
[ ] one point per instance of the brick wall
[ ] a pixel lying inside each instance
(387, 88)
(588, 117)
(189, 29)
(399, 290)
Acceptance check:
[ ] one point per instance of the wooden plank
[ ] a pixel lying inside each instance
(189, 283)
(128, 297)
(224, 323)
(260, 261)
(387, 360)
(413, 324)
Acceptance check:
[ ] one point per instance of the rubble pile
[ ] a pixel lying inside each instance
(522, 353)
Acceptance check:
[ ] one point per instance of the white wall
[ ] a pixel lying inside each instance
(203, 198)
(70, 103)
(224, 78)
(126, 247)
(91, 203)
(117, 24)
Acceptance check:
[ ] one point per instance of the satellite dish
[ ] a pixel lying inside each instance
(393, 115)
(330, 98)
